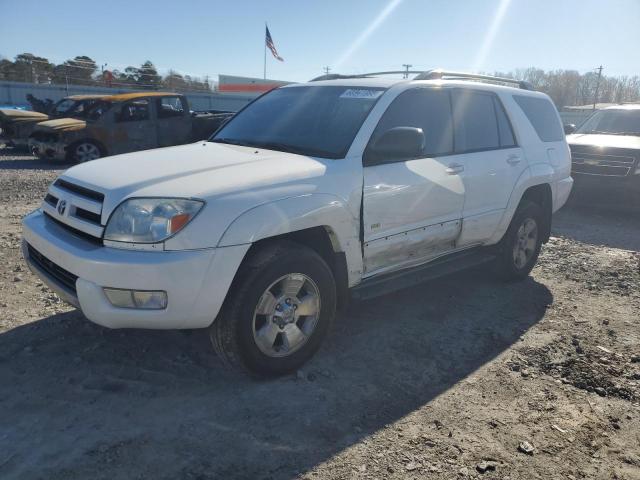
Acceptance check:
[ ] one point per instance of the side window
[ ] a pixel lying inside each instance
(134, 111)
(169, 107)
(476, 127)
(504, 127)
(428, 109)
(543, 116)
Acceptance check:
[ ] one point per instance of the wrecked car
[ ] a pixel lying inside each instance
(17, 125)
(123, 123)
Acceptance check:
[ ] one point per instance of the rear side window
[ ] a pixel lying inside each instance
(476, 126)
(423, 108)
(504, 127)
(543, 116)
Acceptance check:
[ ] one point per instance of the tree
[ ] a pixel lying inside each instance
(148, 76)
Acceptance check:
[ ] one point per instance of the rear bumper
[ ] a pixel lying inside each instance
(196, 281)
(562, 191)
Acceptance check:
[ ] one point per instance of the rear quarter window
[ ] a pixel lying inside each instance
(543, 117)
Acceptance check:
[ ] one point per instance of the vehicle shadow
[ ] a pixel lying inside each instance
(19, 159)
(80, 401)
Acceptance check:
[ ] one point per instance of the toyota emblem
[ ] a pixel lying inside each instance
(62, 206)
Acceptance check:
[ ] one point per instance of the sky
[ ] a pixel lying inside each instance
(214, 37)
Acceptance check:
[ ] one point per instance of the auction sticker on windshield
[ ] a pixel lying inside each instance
(361, 93)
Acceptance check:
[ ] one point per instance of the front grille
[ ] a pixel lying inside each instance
(603, 161)
(75, 231)
(76, 208)
(64, 277)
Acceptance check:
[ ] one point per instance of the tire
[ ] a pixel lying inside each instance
(518, 250)
(259, 330)
(85, 151)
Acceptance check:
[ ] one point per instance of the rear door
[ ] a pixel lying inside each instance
(174, 121)
(492, 160)
(135, 128)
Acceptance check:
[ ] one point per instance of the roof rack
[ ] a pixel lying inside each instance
(437, 74)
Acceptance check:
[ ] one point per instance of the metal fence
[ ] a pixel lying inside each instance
(14, 93)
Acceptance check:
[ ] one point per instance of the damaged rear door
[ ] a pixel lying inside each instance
(174, 121)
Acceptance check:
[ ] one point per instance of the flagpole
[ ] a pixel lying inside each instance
(265, 50)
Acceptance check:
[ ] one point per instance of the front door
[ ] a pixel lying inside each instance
(412, 208)
(134, 127)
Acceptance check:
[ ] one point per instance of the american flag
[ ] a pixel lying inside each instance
(269, 42)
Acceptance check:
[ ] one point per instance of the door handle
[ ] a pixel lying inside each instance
(454, 169)
(513, 159)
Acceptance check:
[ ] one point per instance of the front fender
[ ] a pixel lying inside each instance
(299, 213)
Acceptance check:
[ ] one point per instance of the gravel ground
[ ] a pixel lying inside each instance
(464, 377)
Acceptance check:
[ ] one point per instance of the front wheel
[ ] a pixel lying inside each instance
(279, 310)
(85, 151)
(519, 249)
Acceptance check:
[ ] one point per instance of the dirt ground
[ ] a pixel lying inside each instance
(464, 377)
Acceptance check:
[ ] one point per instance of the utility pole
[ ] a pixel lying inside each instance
(595, 97)
(326, 70)
(406, 68)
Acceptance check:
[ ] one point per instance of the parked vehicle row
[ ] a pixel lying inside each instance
(313, 193)
(83, 128)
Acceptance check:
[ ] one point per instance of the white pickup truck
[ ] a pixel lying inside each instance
(315, 192)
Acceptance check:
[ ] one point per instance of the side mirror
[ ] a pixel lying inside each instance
(396, 144)
(569, 128)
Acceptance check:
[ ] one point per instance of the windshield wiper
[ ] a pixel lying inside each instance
(598, 132)
(231, 141)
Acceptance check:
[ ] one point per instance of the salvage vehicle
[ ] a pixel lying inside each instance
(359, 186)
(17, 125)
(605, 152)
(123, 123)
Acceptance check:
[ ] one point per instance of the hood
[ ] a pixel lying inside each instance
(201, 170)
(600, 140)
(62, 125)
(10, 115)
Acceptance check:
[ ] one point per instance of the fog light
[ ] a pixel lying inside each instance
(145, 299)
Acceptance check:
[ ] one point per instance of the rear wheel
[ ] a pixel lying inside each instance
(279, 310)
(519, 249)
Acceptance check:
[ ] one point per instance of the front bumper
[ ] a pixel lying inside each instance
(48, 150)
(196, 281)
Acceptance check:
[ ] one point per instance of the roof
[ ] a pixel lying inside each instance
(123, 97)
(386, 82)
(625, 106)
(86, 97)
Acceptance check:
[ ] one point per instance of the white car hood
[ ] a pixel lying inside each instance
(201, 170)
(599, 140)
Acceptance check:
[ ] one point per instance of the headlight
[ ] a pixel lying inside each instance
(150, 220)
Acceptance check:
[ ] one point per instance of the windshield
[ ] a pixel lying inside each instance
(73, 108)
(309, 120)
(97, 110)
(613, 122)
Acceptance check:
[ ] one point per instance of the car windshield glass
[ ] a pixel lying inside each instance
(613, 122)
(319, 121)
(98, 110)
(62, 106)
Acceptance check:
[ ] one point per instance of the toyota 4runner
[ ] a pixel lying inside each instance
(351, 186)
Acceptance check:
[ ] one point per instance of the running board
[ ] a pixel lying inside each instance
(391, 282)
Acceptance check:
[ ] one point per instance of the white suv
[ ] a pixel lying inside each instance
(314, 192)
